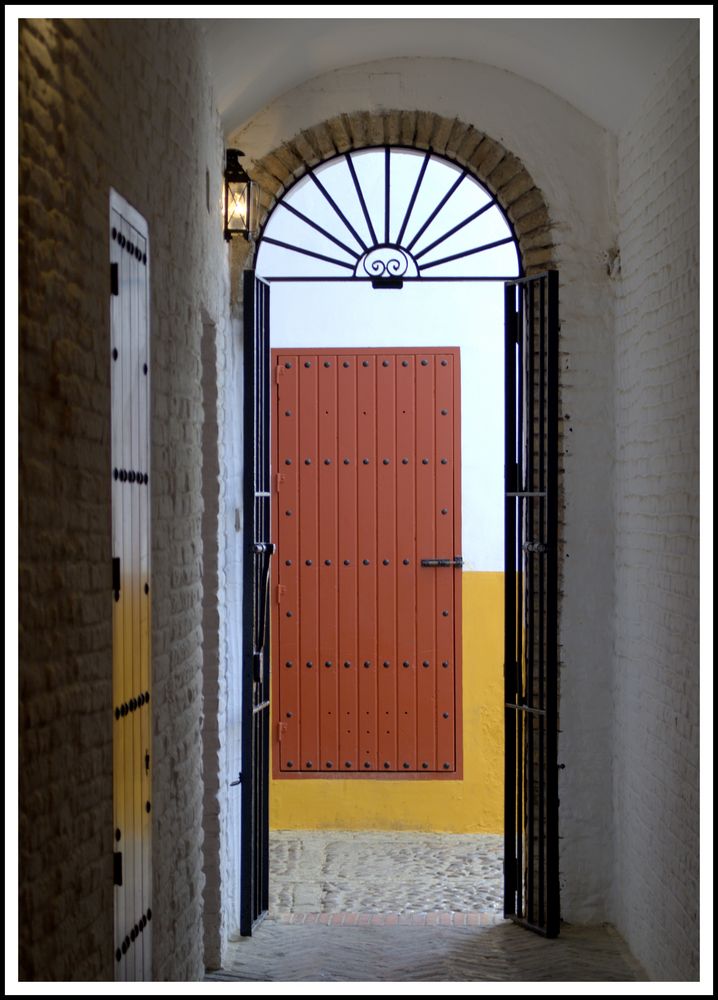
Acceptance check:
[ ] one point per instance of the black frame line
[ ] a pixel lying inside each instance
(424, 280)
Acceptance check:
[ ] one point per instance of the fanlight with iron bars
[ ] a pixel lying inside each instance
(387, 214)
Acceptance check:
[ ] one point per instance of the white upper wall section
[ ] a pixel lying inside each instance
(604, 67)
(563, 151)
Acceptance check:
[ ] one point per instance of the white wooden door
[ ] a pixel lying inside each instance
(131, 483)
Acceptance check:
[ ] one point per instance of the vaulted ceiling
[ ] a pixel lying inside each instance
(602, 66)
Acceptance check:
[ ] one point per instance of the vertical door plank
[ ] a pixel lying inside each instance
(407, 556)
(426, 610)
(348, 554)
(387, 517)
(328, 564)
(367, 570)
(287, 499)
(307, 608)
(444, 510)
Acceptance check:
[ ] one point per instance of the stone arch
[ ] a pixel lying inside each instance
(502, 173)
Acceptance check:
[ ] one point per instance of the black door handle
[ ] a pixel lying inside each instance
(266, 549)
(457, 561)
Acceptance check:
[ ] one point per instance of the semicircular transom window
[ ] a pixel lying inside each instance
(384, 214)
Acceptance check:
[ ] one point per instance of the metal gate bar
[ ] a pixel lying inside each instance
(531, 894)
(257, 554)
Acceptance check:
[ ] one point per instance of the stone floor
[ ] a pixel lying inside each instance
(399, 907)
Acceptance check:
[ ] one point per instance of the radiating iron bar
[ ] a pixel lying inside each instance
(413, 198)
(526, 493)
(261, 707)
(309, 253)
(387, 192)
(319, 229)
(438, 208)
(338, 210)
(465, 253)
(360, 195)
(456, 228)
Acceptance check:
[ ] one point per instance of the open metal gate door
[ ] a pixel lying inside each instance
(531, 890)
(255, 616)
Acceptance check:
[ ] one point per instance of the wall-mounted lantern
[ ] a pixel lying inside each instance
(241, 199)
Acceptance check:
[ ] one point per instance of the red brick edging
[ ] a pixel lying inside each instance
(439, 917)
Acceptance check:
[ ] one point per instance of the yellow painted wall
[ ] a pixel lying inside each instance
(471, 805)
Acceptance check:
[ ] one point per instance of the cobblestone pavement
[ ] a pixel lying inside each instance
(337, 872)
(399, 907)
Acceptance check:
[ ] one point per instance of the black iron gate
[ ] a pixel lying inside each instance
(531, 891)
(257, 554)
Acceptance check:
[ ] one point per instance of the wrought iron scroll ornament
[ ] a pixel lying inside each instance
(387, 260)
(349, 219)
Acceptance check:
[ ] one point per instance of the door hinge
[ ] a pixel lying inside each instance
(281, 590)
(237, 782)
(117, 867)
(114, 279)
(116, 576)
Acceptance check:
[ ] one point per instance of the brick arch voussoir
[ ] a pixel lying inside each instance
(502, 173)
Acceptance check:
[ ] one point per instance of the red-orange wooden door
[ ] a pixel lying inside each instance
(366, 640)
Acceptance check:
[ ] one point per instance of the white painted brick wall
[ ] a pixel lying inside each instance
(656, 499)
(125, 104)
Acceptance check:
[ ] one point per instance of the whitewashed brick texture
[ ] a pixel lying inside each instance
(124, 104)
(656, 500)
